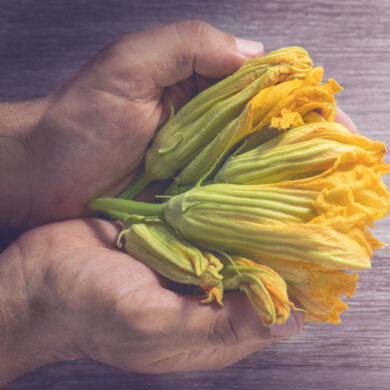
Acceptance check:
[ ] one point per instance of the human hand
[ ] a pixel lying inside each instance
(66, 293)
(89, 137)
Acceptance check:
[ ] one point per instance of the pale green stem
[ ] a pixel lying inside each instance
(130, 207)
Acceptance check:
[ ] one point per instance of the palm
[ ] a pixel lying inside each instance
(119, 312)
(96, 290)
(101, 136)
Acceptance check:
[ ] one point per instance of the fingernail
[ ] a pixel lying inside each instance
(249, 48)
(344, 119)
(289, 328)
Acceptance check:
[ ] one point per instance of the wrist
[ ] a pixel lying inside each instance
(20, 118)
(29, 334)
(17, 124)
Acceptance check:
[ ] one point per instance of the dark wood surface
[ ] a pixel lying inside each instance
(43, 41)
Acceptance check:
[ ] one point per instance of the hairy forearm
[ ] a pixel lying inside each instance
(29, 334)
(14, 314)
(17, 124)
(19, 118)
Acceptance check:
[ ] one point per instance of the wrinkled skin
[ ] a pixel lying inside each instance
(83, 298)
(89, 137)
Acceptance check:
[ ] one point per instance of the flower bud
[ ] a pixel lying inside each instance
(158, 246)
(315, 289)
(301, 152)
(274, 221)
(266, 290)
(294, 99)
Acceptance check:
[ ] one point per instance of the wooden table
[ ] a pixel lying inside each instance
(43, 41)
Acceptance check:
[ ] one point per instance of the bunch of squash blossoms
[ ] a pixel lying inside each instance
(267, 194)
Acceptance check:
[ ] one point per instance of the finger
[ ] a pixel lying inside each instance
(344, 119)
(197, 47)
(234, 323)
(102, 232)
(211, 338)
(182, 92)
(213, 358)
(175, 96)
(170, 54)
(226, 355)
(197, 326)
(179, 94)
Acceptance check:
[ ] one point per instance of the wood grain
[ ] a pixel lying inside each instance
(43, 42)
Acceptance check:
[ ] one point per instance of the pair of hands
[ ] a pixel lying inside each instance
(65, 291)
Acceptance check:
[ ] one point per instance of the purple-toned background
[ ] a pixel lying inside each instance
(43, 41)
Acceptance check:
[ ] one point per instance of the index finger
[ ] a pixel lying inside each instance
(344, 119)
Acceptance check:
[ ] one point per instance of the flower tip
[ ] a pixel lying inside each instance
(213, 293)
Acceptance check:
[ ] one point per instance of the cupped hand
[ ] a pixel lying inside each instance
(79, 297)
(93, 132)
(88, 139)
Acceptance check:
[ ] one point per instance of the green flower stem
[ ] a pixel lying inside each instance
(130, 207)
(135, 186)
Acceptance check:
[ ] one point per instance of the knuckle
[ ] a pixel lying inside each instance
(222, 332)
(194, 28)
(192, 34)
(116, 47)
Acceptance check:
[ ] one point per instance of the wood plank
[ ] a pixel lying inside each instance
(43, 42)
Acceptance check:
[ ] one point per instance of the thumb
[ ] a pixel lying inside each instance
(197, 47)
(344, 119)
(170, 54)
(212, 337)
(237, 322)
(173, 53)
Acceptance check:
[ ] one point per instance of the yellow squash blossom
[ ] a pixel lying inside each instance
(301, 152)
(346, 190)
(288, 55)
(320, 298)
(323, 224)
(245, 224)
(266, 290)
(306, 230)
(187, 132)
(289, 189)
(162, 249)
(292, 104)
(317, 290)
(300, 96)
